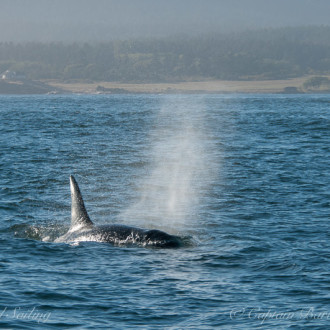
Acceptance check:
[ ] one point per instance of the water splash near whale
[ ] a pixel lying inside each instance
(181, 167)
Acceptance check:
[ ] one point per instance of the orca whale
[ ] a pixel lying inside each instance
(82, 228)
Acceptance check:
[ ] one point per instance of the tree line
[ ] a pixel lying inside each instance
(260, 54)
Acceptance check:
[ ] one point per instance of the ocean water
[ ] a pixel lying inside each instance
(245, 178)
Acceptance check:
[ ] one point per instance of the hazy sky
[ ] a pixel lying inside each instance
(101, 20)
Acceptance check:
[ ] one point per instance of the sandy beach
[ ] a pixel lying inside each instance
(212, 86)
(287, 86)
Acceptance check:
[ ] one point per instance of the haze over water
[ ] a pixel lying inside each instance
(104, 20)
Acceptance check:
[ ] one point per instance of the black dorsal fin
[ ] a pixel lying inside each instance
(79, 215)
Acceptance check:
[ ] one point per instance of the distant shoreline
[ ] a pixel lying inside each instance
(288, 86)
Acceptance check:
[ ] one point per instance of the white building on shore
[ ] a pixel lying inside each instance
(11, 75)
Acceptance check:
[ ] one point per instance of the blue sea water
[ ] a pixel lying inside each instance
(244, 177)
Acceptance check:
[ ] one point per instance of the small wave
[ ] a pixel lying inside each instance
(40, 233)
